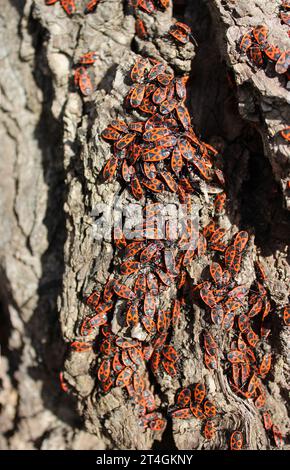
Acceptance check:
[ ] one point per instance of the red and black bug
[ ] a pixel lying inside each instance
(246, 42)
(68, 5)
(141, 29)
(183, 413)
(285, 133)
(236, 441)
(272, 52)
(138, 69)
(124, 377)
(277, 435)
(256, 55)
(91, 6)
(260, 34)
(286, 315)
(283, 63)
(196, 410)
(209, 430)
(82, 79)
(199, 392)
(183, 398)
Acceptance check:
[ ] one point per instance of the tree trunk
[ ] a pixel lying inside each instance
(52, 155)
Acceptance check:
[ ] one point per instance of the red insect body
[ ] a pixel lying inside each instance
(236, 442)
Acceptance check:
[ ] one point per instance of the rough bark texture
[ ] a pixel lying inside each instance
(51, 158)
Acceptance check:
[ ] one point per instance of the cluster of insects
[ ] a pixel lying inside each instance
(122, 363)
(255, 44)
(158, 153)
(70, 6)
(192, 402)
(163, 151)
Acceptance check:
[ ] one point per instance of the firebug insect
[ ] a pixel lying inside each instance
(149, 400)
(91, 6)
(158, 424)
(165, 278)
(219, 203)
(178, 34)
(277, 435)
(183, 413)
(209, 430)
(252, 338)
(183, 115)
(136, 188)
(129, 267)
(169, 367)
(62, 382)
(217, 314)
(285, 133)
(124, 141)
(265, 365)
(126, 343)
(107, 385)
(80, 346)
(286, 315)
(236, 441)
(104, 370)
(245, 42)
(170, 353)
(136, 356)
(132, 315)
(236, 356)
(110, 134)
(260, 33)
(199, 392)
(272, 52)
(149, 305)
(209, 409)
(147, 5)
(267, 420)
(138, 382)
(283, 63)
(164, 79)
(167, 106)
(211, 362)
(116, 363)
(93, 299)
(210, 344)
(88, 58)
(149, 324)
(180, 86)
(240, 241)
(123, 291)
(159, 95)
(83, 80)
(119, 125)
(196, 410)
(207, 296)
(256, 55)
(141, 29)
(138, 70)
(124, 377)
(155, 361)
(184, 398)
(216, 272)
(137, 95)
(68, 5)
